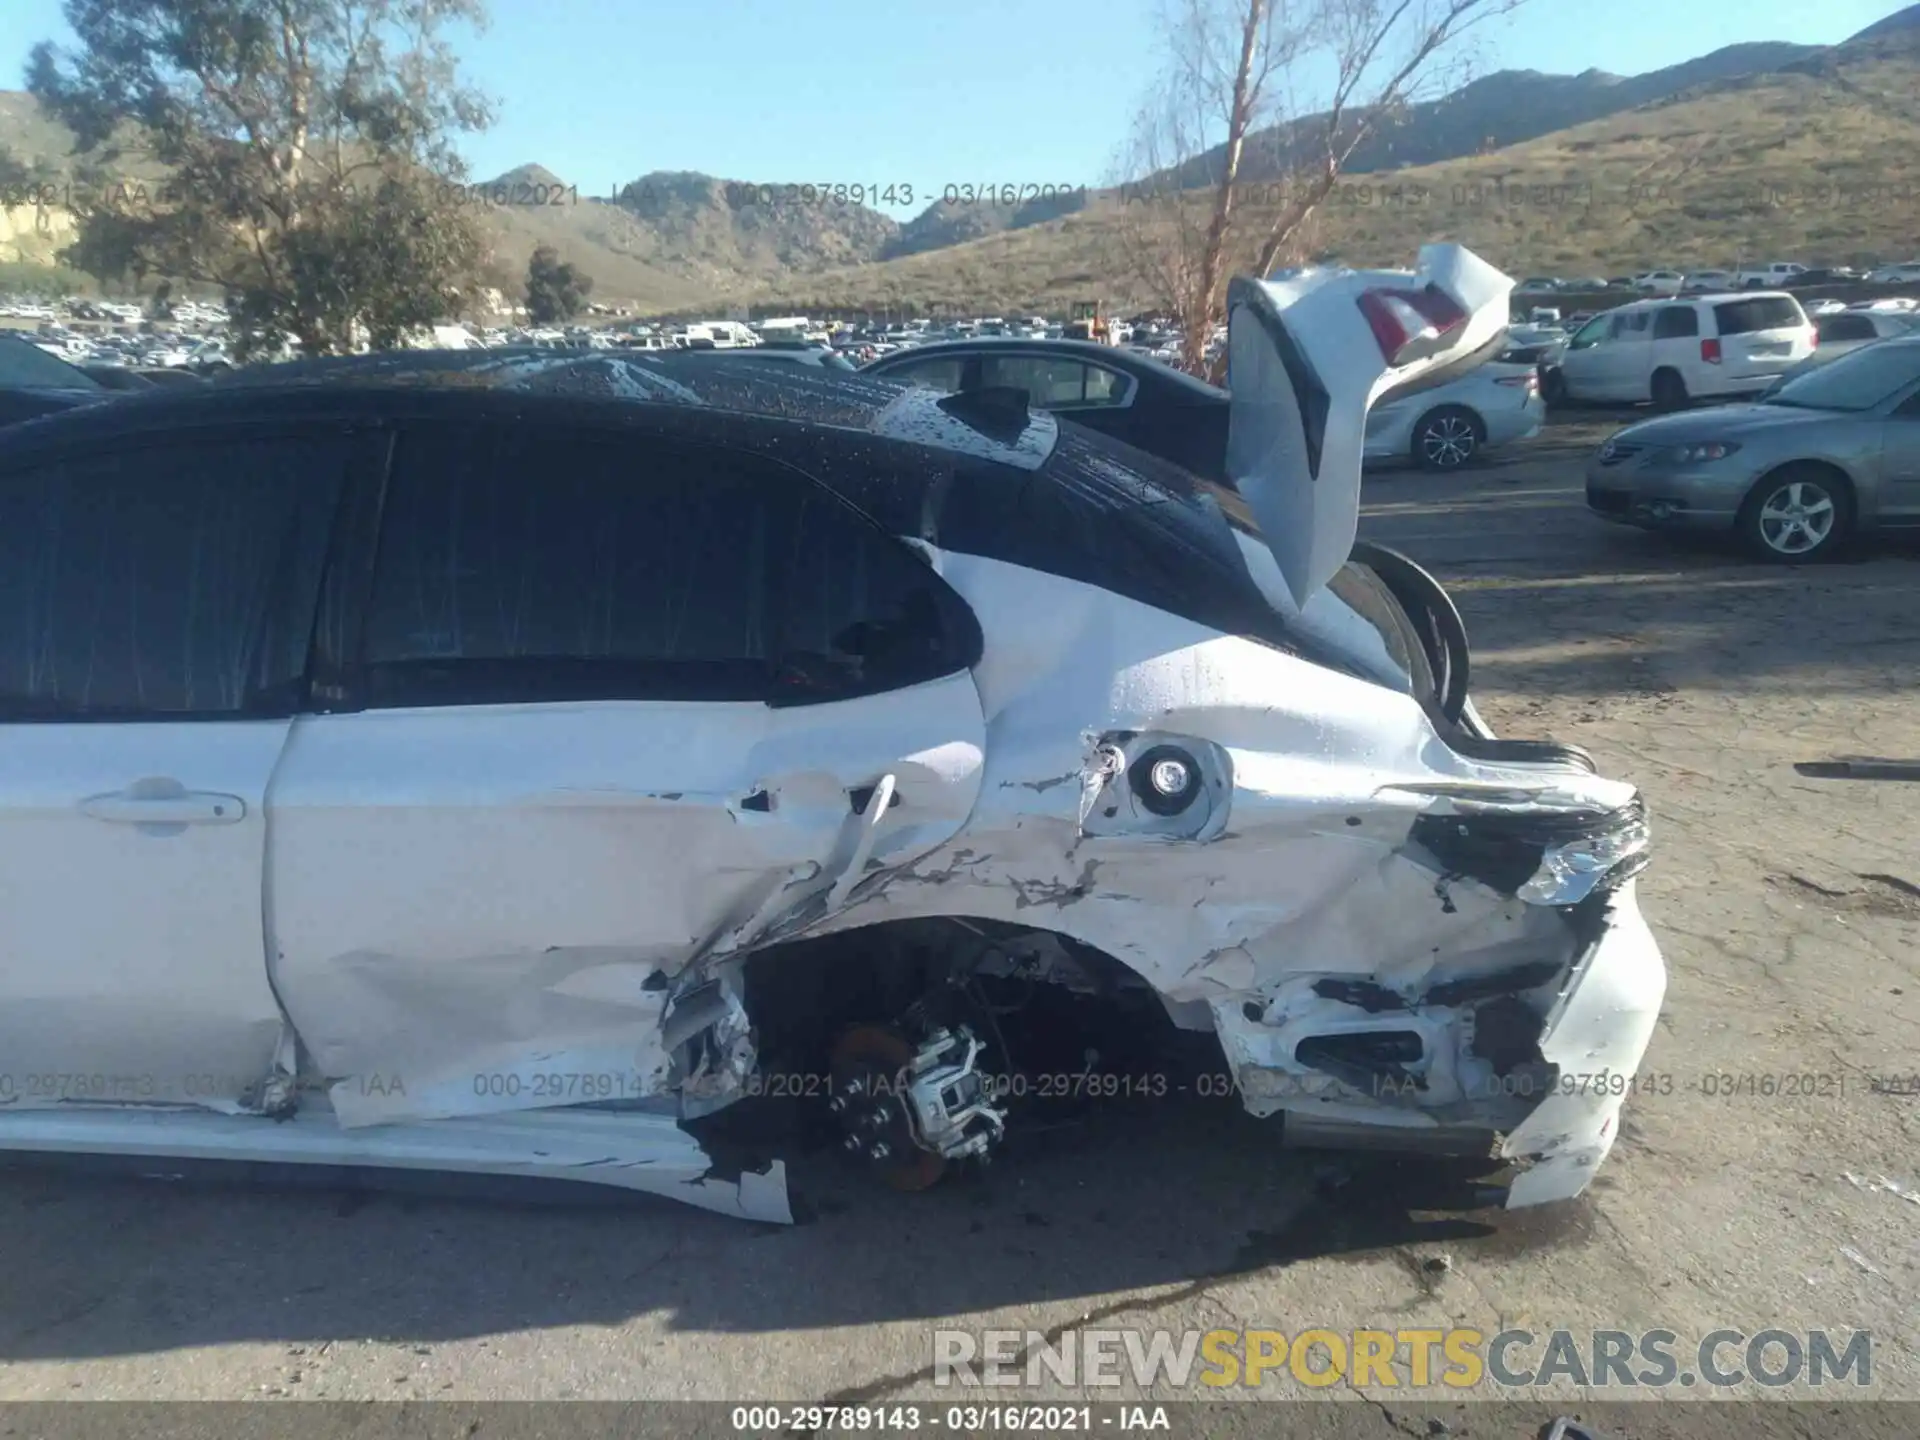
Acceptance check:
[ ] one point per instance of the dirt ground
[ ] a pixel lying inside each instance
(1788, 907)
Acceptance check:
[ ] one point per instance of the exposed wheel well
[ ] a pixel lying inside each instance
(802, 994)
(1824, 469)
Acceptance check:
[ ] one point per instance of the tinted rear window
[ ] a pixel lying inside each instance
(1766, 312)
(1676, 321)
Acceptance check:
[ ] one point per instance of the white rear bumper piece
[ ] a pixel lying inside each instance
(1596, 1036)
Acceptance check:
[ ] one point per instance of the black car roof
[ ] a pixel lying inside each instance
(1026, 490)
(713, 398)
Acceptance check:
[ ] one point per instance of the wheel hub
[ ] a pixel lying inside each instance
(1448, 441)
(1797, 518)
(909, 1110)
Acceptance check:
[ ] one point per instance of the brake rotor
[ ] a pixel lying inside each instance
(861, 1056)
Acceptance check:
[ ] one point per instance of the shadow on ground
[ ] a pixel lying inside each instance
(1132, 1195)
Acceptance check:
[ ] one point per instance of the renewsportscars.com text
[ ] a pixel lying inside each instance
(1461, 1358)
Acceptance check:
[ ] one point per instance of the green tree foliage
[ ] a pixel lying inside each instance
(555, 291)
(308, 149)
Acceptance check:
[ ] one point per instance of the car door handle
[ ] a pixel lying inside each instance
(182, 807)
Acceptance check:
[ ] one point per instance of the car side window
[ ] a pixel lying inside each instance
(942, 372)
(1591, 333)
(1676, 322)
(1632, 325)
(175, 580)
(516, 565)
(1845, 327)
(1053, 382)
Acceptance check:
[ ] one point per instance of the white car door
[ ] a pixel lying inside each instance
(1309, 355)
(1582, 361)
(156, 597)
(1623, 363)
(613, 705)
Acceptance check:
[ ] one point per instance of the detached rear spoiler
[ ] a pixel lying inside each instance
(1309, 354)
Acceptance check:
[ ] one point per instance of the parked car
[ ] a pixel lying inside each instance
(1534, 344)
(1708, 282)
(818, 357)
(1774, 276)
(1659, 282)
(610, 733)
(1442, 429)
(1537, 284)
(116, 376)
(1675, 351)
(176, 379)
(1831, 453)
(1907, 273)
(1841, 333)
(1104, 387)
(1826, 275)
(34, 383)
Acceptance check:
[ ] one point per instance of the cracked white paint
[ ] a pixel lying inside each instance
(1306, 871)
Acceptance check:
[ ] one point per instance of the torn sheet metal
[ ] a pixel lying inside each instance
(1310, 866)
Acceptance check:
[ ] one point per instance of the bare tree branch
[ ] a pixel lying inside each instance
(1227, 96)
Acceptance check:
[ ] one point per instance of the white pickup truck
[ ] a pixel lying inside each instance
(1769, 277)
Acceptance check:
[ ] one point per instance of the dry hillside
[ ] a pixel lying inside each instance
(1818, 162)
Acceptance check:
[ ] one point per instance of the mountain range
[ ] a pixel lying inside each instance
(1718, 158)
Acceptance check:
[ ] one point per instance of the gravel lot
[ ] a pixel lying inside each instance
(1789, 908)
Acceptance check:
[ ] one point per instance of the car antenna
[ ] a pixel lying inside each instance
(1000, 412)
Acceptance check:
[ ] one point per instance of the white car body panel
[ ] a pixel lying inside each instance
(132, 859)
(474, 898)
(419, 918)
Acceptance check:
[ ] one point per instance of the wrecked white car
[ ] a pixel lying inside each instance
(497, 763)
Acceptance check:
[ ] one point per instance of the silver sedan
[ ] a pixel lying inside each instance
(1831, 453)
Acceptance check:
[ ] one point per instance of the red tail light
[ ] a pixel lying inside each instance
(1410, 325)
(1813, 338)
(1710, 351)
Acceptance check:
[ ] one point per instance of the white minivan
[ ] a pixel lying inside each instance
(1673, 351)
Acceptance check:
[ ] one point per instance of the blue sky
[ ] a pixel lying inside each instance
(916, 93)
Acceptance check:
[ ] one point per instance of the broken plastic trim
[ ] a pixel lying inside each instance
(1542, 859)
(1571, 872)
